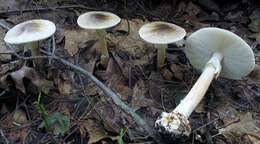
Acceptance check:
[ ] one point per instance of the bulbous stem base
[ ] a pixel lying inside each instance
(175, 124)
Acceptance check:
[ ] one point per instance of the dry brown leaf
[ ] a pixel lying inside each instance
(19, 116)
(255, 74)
(112, 116)
(139, 96)
(135, 25)
(166, 73)
(254, 139)
(178, 71)
(7, 120)
(132, 44)
(75, 36)
(31, 74)
(3, 48)
(19, 135)
(246, 125)
(64, 87)
(117, 82)
(95, 132)
(11, 66)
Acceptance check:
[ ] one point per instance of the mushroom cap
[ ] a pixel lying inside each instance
(98, 20)
(238, 58)
(30, 31)
(161, 32)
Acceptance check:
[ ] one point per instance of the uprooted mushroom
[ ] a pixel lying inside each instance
(217, 52)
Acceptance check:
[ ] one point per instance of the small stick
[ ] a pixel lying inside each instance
(4, 24)
(45, 9)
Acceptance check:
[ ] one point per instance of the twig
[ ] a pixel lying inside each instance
(45, 9)
(2, 93)
(107, 91)
(4, 24)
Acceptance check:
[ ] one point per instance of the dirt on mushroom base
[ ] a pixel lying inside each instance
(160, 93)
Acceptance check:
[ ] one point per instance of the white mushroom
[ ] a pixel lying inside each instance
(30, 33)
(160, 34)
(99, 21)
(217, 52)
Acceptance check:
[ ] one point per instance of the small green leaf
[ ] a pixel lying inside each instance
(58, 122)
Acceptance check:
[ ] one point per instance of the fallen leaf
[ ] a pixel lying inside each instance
(117, 82)
(33, 76)
(131, 47)
(19, 117)
(255, 36)
(20, 133)
(166, 73)
(255, 21)
(11, 66)
(255, 74)
(246, 125)
(3, 48)
(74, 37)
(255, 139)
(254, 26)
(113, 117)
(94, 130)
(139, 99)
(178, 71)
(65, 87)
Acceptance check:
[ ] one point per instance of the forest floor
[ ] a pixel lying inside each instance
(77, 111)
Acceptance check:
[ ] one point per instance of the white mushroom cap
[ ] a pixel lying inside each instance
(238, 57)
(30, 31)
(161, 32)
(98, 20)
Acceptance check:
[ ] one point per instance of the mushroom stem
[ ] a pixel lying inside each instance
(161, 49)
(103, 46)
(176, 121)
(35, 51)
(34, 47)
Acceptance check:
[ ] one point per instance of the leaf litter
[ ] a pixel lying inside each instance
(130, 73)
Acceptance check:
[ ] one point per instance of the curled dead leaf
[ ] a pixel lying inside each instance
(19, 117)
(29, 73)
